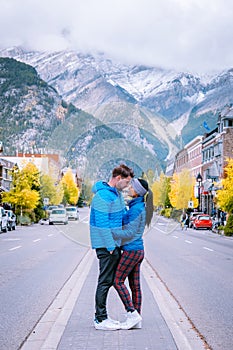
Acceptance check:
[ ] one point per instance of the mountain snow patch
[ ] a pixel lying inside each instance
(179, 123)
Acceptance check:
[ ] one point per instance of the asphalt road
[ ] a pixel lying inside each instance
(35, 263)
(196, 266)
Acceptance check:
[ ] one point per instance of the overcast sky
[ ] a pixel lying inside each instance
(195, 35)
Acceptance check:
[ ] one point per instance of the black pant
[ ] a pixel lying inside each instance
(107, 269)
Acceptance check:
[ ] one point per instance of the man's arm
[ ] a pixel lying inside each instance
(130, 228)
(101, 223)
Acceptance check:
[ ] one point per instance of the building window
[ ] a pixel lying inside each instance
(218, 149)
(228, 123)
(212, 152)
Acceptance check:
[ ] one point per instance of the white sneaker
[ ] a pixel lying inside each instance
(114, 321)
(106, 325)
(132, 319)
(138, 325)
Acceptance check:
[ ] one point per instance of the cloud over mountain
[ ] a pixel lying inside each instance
(194, 35)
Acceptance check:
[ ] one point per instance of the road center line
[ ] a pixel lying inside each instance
(17, 247)
(83, 219)
(188, 241)
(37, 240)
(51, 234)
(211, 250)
(11, 239)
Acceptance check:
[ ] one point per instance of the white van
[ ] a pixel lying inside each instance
(3, 220)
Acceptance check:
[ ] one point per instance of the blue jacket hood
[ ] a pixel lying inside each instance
(102, 185)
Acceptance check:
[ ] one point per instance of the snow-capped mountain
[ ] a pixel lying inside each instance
(34, 118)
(162, 103)
(76, 76)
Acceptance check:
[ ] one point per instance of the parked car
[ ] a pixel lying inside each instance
(72, 213)
(44, 221)
(203, 221)
(50, 208)
(192, 217)
(11, 220)
(58, 216)
(3, 220)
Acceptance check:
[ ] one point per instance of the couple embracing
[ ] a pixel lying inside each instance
(116, 235)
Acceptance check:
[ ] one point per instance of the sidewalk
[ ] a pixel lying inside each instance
(68, 323)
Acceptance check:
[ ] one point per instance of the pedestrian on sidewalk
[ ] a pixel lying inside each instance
(139, 215)
(184, 220)
(107, 209)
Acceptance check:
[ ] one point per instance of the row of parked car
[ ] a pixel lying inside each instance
(61, 215)
(7, 220)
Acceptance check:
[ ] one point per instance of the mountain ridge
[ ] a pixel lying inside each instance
(149, 86)
(35, 119)
(171, 106)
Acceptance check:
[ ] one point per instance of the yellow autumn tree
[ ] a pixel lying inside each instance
(59, 194)
(161, 189)
(225, 195)
(24, 193)
(49, 189)
(71, 191)
(182, 190)
(149, 176)
(155, 188)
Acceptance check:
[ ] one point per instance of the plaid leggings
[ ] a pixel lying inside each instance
(129, 266)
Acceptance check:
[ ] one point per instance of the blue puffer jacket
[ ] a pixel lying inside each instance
(107, 209)
(134, 224)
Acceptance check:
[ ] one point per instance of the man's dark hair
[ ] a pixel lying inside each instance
(123, 171)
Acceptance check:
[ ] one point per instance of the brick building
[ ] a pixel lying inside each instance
(208, 155)
(190, 157)
(217, 146)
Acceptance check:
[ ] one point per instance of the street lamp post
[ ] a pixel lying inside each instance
(199, 181)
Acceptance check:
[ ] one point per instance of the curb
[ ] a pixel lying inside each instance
(184, 334)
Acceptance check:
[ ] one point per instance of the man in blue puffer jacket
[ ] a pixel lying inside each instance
(107, 209)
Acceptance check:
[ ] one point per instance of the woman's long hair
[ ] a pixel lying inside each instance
(148, 198)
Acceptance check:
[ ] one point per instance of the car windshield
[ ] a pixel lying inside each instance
(71, 209)
(58, 211)
(203, 218)
(52, 207)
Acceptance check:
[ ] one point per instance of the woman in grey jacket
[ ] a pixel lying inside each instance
(134, 221)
